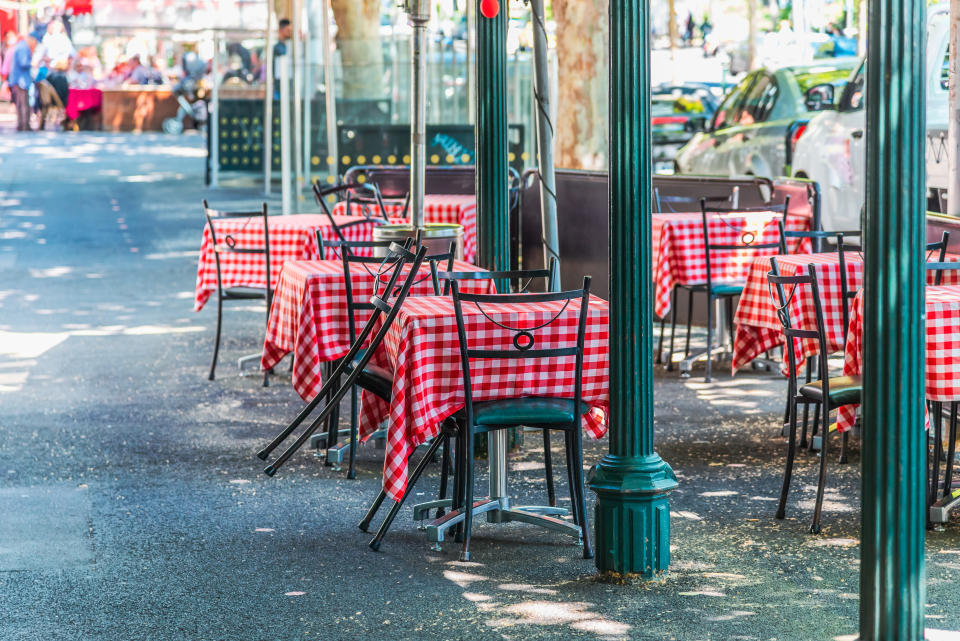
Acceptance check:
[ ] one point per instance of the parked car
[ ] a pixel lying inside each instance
(747, 134)
(831, 148)
(677, 113)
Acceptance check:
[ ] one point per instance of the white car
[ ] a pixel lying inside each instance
(831, 149)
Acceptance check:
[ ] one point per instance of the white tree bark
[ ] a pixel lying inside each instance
(361, 51)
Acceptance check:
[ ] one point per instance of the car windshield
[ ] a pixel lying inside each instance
(669, 105)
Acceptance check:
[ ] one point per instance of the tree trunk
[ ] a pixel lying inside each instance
(582, 38)
(361, 53)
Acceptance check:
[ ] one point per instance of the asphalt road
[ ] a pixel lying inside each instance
(132, 506)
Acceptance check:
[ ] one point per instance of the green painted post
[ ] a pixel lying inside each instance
(892, 572)
(493, 221)
(632, 481)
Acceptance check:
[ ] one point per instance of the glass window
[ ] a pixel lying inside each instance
(759, 100)
(945, 70)
(729, 111)
(853, 94)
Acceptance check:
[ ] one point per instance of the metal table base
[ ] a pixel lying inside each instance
(498, 507)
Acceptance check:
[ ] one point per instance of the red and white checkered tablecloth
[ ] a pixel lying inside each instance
(679, 256)
(437, 208)
(422, 349)
(292, 237)
(759, 329)
(309, 314)
(942, 356)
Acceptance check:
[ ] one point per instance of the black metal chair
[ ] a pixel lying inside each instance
(562, 414)
(940, 248)
(520, 280)
(830, 393)
(725, 291)
(365, 194)
(228, 246)
(355, 365)
(355, 307)
(813, 235)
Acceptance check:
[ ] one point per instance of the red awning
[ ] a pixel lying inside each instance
(79, 7)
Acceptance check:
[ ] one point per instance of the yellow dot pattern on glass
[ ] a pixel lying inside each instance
(375, 160)
(391, 159)
(331, 160)
(406, 159)
(315, 160)
(331, 179)
(449, 158)
(361, 179)
(511, 156)
(345, 160)
(465, 158)
(434, 159)
(361, 159)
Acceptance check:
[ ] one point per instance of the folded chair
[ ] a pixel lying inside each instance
(356, 364)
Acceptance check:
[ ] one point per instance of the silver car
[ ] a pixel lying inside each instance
(748, 132)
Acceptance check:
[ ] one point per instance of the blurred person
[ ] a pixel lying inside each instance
(21, 79)
(79, 76)
(144, 74)
(284, 31)
(9, 43)
(55, 45)
(57, 77)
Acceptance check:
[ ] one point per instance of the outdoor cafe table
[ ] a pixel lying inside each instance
(292, 237)
(679, 256)
(422, 349)
(942, 383)
(437, 208)
(308, 316)
(758, 328)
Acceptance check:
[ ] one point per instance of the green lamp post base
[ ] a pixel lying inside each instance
(632, 514)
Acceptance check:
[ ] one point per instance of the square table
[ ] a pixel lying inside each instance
(758, 328)
(679, 254)
(422, 349)
(942, 355)
(437, 208)
(292, 237)
(309, 315)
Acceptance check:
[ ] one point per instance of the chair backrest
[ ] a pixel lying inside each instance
(782, 304)
(847, 294)
(940, 250)
(229, 243)
(814, 235)
(749, 239)
(341, 247)
(520, 279)
(524, 341)
(349, 258)
(350, 192)
(667, 204)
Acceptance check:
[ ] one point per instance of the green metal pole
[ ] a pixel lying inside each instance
(632, 481)
(892, 572)
(493, 221)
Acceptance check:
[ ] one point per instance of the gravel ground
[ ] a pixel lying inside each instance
(134, 508)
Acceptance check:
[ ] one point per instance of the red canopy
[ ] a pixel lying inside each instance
(79, 7)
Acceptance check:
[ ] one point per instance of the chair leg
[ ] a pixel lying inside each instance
(468, 491)
(571, 479)
(333, 429)
(806, 409)
(706, 378)
(937, 410)
(951, 449)
(580, 499)
(548, 469)
(673, 330)
(216, 341)
(729, 303)
(844, 443)
(354, 420)
(815, 429)
(791, 455)
(459, 470)
(395, 509)
(444, 473)
(822, 480)
(663, 329)
(686, 349)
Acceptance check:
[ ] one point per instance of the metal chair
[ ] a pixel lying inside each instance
(829, 392)
(562, 414)
(351, 194)
(237, 293)
(356, 363)
(814, 235)
(354, 308)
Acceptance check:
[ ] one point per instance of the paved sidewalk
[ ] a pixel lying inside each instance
(134, 508)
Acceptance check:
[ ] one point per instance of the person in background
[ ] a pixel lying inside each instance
(21, 79)
(284, 31)
(79, 77)
(9, 43)
(144, 74)
(55, 46)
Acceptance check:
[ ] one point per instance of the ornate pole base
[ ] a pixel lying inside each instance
(632, 515)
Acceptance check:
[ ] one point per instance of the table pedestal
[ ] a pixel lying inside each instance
(498, 507)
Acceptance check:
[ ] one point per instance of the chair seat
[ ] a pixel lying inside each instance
(727, 289)
(245, 293)
(374, 379)
(530, 411)
(843, 390)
